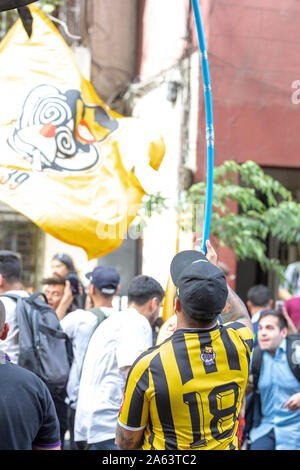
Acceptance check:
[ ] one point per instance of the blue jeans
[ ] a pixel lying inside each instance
(110, 444)
(266, 442)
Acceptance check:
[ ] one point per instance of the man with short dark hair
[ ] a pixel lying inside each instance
(81, 324)
(55, 292)
(279, 428)
(186, 393)
(11, 283)
(113, 348)
(27, 413)
(258, 300)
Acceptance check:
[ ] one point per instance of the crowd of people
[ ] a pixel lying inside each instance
(192, 386)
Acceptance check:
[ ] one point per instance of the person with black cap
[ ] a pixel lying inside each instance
(186, 393)
(81, 324)
(113, 348)
(170, 325)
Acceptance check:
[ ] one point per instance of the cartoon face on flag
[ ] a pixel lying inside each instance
(67, 160)
(59, 131)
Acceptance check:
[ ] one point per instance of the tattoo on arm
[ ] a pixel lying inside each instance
(127, 443)
(235, 309)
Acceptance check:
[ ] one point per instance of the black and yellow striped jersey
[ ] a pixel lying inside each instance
(187, 391)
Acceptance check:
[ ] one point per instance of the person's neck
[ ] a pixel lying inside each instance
(8, 287)
(274, 351)
(182, 322)
(100, 301)
(254, 310)
(142, 309)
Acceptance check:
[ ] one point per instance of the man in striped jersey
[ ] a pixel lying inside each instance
(186, 393)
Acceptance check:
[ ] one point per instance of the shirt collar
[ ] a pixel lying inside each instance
(282, 346)
(198, 330)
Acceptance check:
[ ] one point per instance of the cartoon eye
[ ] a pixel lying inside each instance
(66, 146)
(83, 133)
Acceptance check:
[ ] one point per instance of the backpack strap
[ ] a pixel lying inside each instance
(256, 365)
(293, 353)
(36, 295)
(253, 405)
(100, 317)
(293, 357)
(11, 296)
(99, 314)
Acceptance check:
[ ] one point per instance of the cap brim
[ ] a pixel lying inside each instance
(106, 290)
(182, 260)
(88, 276)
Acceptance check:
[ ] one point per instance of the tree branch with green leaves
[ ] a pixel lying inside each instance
(248, 207)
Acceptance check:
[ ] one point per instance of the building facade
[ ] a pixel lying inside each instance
(142, 58)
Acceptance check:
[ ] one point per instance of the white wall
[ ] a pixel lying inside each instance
(53, 246)
(159, 238)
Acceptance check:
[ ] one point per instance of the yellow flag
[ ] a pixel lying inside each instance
(168, 305)
(66, 159)
(184, 241)
(168, 308)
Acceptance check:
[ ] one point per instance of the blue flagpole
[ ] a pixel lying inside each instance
(209, 125)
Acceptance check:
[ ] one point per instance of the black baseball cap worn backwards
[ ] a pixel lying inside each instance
(201, 286)
(105, 278)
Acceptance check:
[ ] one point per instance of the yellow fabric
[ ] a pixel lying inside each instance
(167, 329)
(187, 392)
(66, 159)
(168, 309)
(168, 305)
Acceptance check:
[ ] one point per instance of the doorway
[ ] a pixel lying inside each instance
(249, 272)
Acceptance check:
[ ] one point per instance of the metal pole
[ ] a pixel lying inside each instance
(209, 125)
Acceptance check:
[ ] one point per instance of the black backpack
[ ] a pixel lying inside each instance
(44, 348)
(253, 413)
(292, 343)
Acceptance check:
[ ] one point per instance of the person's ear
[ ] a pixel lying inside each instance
(92, 289)
(153, 303)
(177, 305)
(4, 331)
(284, 332)
(1, 280)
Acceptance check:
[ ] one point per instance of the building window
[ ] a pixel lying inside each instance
(22, 238)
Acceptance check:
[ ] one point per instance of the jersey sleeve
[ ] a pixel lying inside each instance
(134, 410)
(245, 334)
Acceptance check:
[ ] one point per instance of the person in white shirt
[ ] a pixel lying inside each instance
(291, 286)
(113, 348)
(10, 283)
(80, 326)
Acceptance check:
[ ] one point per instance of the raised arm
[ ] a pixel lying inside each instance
(236, 310)
(65, 302)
